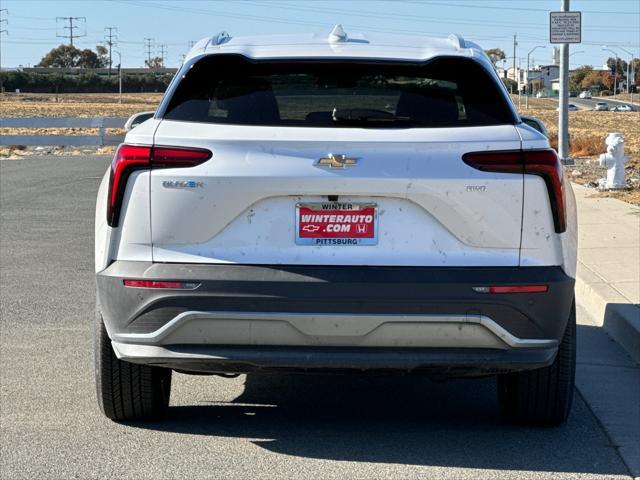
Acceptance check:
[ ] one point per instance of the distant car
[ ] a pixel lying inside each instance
(572, 107)
(585, 94)
(622, 108)
(535, 123)
(573, 94)
(602, 107)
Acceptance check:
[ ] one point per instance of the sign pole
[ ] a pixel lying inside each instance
(563, 118)
(565, 27)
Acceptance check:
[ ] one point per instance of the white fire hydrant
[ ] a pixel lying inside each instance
(614, 161)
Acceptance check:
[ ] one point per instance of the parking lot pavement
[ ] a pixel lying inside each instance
(276, 426)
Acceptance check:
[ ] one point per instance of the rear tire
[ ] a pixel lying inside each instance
(127, 391)
(542, 397)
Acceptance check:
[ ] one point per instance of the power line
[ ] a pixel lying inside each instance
(110, 36)
(417, 17)
(72, 27)
(281, 20)
(518, 8)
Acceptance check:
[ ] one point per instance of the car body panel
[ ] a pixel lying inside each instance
(415, 176)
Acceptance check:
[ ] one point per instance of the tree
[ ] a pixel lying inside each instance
(495, 54)
(89, 59)
(155, 62)
(103, 55)
(68, 56)
(511, 85)
(579, 74)
(620, 67)
(593, 80)
(609, 80)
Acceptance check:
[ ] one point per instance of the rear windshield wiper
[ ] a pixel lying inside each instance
(363, 115)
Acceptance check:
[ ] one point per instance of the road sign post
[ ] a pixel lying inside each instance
(565, 27)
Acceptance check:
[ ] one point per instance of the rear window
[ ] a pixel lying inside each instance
(445, 92)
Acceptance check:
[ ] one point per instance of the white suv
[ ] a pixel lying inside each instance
(336, 203)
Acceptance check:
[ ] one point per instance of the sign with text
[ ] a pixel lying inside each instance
(565, 27)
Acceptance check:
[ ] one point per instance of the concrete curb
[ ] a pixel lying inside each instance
(620, 319)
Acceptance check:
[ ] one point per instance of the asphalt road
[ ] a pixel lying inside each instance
(277, 426)
(590, 103)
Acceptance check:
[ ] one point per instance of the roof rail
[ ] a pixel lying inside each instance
(219, 38)
(457, 41)
(337, 34)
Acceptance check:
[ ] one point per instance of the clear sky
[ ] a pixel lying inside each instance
(32, 25)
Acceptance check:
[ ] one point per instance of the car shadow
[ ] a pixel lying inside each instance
(394, 420)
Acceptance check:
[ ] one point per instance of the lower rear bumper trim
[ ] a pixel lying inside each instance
(241, 359)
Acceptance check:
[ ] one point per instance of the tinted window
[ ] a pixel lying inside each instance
(445, 92)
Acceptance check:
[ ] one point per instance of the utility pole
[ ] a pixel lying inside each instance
(119, 76)
(515, 44)
(563, 117)
(149, 43)
(71, 28)
(6, 12)
(615, 71)
(631, 73)
(163, 52)
(630, 69)
(109, 40)
(526, 99)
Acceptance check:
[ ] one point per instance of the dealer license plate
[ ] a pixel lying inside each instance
(336, 223)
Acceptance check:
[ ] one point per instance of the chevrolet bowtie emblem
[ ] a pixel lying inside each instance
(337, 161)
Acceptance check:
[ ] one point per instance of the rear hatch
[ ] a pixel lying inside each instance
(345, 167)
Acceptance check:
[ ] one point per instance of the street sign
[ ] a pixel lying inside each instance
(565, 27)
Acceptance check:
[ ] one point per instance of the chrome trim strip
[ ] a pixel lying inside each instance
(157, 336)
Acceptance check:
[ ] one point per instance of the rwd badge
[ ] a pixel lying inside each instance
(565, 27)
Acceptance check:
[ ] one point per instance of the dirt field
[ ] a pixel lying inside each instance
(588, 129)
(77, 105)
(69, 105)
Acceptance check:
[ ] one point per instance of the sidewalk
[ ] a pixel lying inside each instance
(608, 280)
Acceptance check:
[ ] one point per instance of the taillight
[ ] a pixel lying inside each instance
(512, 289)
(544, 163)
(160, 284)
(172, 157)
(129, 158)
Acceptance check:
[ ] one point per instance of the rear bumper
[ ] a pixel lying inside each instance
(435, 361)
(242, 318)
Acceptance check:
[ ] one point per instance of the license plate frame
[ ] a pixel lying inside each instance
(369, 208)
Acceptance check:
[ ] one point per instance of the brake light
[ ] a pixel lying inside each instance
(160, 284)
(544, 163)
(129, 158)
(512, 289)
(179, 157)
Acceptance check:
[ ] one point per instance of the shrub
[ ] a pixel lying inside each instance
(581, 146)
(86, 82)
